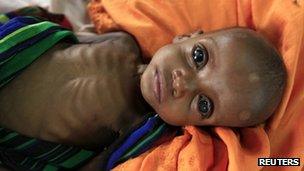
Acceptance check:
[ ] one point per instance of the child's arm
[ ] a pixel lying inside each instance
(98, 38)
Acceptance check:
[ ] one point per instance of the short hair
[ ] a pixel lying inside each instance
(272, 75)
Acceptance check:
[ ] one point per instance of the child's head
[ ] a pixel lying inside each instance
(230, 77)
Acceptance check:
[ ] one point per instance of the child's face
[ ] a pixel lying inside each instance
(205, 79)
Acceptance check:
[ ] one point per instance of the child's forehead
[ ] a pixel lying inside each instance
(218, 39)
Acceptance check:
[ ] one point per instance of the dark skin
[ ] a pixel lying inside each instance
(61, 97)
(88, 94)
(207, 79)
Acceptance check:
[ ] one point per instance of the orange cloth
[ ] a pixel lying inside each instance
(155, 23)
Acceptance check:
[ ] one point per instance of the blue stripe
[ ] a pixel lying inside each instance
(16, 49)
(15, 24)
(131, 140)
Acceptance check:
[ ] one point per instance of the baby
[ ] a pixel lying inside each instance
(89, 93)
(230, 77)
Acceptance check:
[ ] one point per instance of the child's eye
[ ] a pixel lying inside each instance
(205, 106)
(199, 56)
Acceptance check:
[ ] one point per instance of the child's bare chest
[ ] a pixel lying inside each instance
(82, 95)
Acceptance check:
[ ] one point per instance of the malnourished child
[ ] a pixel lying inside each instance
(89, 93)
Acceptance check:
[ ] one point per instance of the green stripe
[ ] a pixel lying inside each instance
(5, 81)
(50, 168)
(23, 162)
(3, 18)
(23, 34)
(29, 11)
(45, 154)
(3, 61)
(78, 158)
(29, 55)
(30, 142)
(145, 142)
(34, 165)
(8, 137)
(62, 154)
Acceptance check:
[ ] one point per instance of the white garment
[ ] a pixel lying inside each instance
(10, 5)
(75, 11)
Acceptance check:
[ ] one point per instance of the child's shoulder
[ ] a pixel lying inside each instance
(119, 40)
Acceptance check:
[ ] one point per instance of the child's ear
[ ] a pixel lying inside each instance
(180, 38)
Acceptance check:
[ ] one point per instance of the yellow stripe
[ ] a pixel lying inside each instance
(3, 18)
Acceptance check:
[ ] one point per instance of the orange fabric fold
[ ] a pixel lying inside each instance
(155, 23)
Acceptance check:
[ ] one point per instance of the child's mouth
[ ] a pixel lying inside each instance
(157, 86)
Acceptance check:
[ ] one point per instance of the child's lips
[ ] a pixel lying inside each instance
(157, 86)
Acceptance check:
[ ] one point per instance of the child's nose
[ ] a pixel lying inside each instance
(179, 83)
